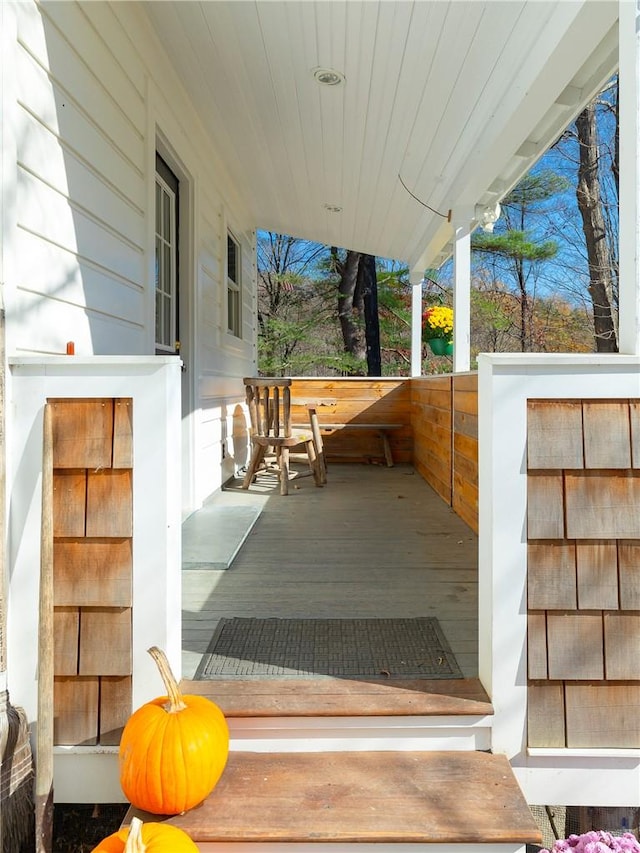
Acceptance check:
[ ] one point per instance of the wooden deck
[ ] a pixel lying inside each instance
(374, 542)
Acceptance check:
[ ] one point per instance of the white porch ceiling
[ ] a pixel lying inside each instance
(458, 97)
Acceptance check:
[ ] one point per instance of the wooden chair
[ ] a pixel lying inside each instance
(269, 402)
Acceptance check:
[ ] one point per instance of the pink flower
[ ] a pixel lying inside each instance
(597, 847)
(597, 841)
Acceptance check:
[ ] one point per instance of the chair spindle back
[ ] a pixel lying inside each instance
(269, 402)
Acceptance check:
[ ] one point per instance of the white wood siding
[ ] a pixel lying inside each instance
(89, 92)
(79, 217)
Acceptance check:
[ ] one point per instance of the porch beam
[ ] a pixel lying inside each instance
(629, 284)
(417, 280)
(461, 218)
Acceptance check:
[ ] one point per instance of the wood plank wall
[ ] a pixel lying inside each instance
(367, 401)
(583, 573)
(93, 535)
(444, 416)
(432, 420)
(465, 448)
(439, 435)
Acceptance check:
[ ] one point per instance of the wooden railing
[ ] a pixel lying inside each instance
(439, 436)
(444, 417)
(465, 448)
(357, 401)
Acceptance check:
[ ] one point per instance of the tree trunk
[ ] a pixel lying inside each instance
(368, 286)
(524, 304)
(351, 307)
(601, 285)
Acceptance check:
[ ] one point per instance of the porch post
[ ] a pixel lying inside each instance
(416, 279)
(629, 225)
(461, 221)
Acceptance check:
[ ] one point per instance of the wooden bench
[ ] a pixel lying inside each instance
(318, 428)
(383, 431)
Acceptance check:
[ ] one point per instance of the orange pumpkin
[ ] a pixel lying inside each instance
(147, 838)
(173, 749)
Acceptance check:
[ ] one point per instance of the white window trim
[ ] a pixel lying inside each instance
(168, 348)
(235, 287)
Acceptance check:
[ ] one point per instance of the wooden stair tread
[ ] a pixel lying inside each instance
(314, 697)
(383, 797)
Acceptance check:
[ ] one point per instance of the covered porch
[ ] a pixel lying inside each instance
(328, 552)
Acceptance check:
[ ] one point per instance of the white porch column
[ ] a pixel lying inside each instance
(416, 279)
(629, 226)
(461, 220)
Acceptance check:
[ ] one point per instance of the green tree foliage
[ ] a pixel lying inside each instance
(533, 189)
(557, 325)
(493, 316)
(394, 304)
(516, 253)
(298, 333)
(517, 246)
(291, 306)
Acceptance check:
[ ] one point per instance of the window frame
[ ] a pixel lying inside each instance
(234, 287)
(164, 178)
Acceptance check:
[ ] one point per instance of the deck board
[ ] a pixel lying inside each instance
(344, 697)
(385, 797)
(374, 542)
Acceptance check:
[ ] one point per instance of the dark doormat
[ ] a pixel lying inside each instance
(341, 648)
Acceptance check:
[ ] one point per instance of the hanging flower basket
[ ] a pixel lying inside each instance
(440, 346)
(437, 329)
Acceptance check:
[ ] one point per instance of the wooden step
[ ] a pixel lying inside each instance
(315, 697)
(446, 798)
(314, 714)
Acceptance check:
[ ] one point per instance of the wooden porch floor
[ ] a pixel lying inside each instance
(374, 542)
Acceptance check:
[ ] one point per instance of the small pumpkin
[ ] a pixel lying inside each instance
(173, 749)
(147, 838)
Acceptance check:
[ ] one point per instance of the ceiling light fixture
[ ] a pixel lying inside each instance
(328, 77)
(333, 208)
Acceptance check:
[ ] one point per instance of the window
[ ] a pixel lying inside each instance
(166, 259)
(234, 294)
